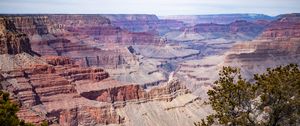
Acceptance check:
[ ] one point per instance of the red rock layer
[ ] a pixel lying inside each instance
(41, 84)
(12, 41)
(242, 27)
(286, 27)
(80, 37)
(280, 40)
(73, 25)
(50, 92)
(121, 94)
(89, 116)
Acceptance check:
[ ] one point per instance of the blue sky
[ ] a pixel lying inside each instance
(158, 7)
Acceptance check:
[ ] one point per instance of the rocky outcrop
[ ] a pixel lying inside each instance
(44, 84)
(135, 23)
(90, 116)
(55, 60)
(285, 27)
(67, 94)
(42, 28)
(277, 45)
(87, 39)
(122, 94)
(280, 38)
(253, 57)
(237, 27)
(57, 90)
(12, 41)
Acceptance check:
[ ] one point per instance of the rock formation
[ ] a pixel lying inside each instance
(218, 18)
(57, 90)
(237, 27)
(251, 56)
(12, 41)
(87, 39)
(285, 27)
(153, 71)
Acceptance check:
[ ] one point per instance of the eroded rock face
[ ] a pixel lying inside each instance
(90, 116)
(286, 27)
(280, 39)
(253, 57)
(237, 27)
(55, 89)
(49, 27)
(43, 85)
(135, 93)
(12, 41)
(87, 39)
(67, 94)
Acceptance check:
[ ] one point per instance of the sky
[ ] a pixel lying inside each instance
(158, 7)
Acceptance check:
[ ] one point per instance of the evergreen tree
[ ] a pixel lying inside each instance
(8, 112)
(273, 99)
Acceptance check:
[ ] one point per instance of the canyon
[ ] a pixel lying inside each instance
(133, 69)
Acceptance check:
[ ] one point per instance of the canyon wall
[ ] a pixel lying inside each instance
(146, 79)
(56, 90)
(12, 41)
(87, 39)
(241, 28)
(218, 18)
(285, 27)
(253, 57)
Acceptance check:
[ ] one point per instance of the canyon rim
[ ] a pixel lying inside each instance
(84, 67)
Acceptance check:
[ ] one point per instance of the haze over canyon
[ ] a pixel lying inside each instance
(133, 69)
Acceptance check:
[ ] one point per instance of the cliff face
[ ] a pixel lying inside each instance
(41, 88)
(135, 23)
(277, 45)
(65, 90)
(55, 89)
(66, 94)
(237, 27)
(84, 38)
(120, 94)
(97, 26)
(279, 38)
(253, 57)
(12, 41)
(286, 27)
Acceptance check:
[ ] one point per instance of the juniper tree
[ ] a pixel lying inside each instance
(271, 100)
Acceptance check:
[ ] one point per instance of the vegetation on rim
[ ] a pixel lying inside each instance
(8, 112)
(272, 99)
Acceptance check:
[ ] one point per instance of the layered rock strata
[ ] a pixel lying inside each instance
(84, 38)
(218, 18)
(12, 41)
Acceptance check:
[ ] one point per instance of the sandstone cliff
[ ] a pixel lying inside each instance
(238, 27)
(252, 57)
(12, 41)
(56, 90)
(87, 39)
(285, 27)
